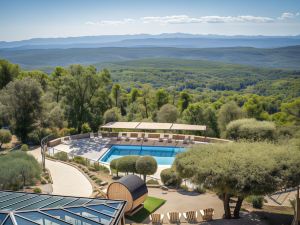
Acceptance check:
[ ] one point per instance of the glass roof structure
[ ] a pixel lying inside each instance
(20, 208)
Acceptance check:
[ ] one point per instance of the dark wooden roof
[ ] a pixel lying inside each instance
(135, 185)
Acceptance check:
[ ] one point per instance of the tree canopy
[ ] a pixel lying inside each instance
(241, 169)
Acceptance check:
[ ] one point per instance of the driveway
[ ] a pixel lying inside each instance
(67, 180)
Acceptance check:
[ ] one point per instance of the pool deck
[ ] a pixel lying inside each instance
(95, 148)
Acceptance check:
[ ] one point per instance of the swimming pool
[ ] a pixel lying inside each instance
(163, 155)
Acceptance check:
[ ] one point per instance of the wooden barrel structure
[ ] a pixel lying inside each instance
(130, 188)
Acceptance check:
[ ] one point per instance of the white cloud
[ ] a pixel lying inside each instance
(288, 15)
(183, 19)
(111, 22)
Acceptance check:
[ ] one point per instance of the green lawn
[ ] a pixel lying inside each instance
(151, 204)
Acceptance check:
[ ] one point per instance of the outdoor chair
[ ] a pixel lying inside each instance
(207, 214)
(174, 217)
(169, 140)
(119, 138)
(190, 216)
(185, 141)
(156, 218)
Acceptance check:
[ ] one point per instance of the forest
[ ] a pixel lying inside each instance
(78, 99)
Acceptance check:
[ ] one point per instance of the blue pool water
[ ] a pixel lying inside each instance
(163, 155)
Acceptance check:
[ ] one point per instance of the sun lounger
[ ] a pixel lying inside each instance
(169, 140)
(190, 216)
(207, 214)
(174, 217)
(156, 218)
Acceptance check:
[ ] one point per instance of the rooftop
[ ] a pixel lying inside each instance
(26, 208)
(153, 126)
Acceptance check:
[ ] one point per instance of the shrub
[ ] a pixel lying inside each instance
(146, 165)
(63, 156)
(18, 169)
(80, 160)
(200, 189)
(99, 167)
(112, 115)
(72, 131)
(85, 128)
(43, 182)
(37, 190)
(24, 148)
(170, 178)
(152, 181)
(5, 137)
(98, 181)
(91, 168)
(167, 114)
(184, 187)
(257, 201)
(251, 129)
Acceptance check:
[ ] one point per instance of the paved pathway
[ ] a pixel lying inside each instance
(67, 180)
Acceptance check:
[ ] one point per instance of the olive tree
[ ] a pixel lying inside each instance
(112, 115)
(5, 137)
(251, 129)
(170, 177)
(22, 103)
(18, 169)
(241, 169)
(167, 114)
(113, 166)
(146, 165)
(227, 113)
(126, 164)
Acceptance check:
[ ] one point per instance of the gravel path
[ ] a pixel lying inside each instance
(67, 180)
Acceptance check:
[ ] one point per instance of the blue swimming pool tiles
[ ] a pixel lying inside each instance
(163, 155)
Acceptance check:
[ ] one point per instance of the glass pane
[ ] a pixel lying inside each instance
(8, 221)
(2, 217)
(97, 201)
(41, 218)
(6, 204)
(21, 221)
(28, 202)
(104, 209)
(11, 196)
(43, 203)
(114, 204)
(79, 202)
(62, 202)
(69, 217)
(98, 217)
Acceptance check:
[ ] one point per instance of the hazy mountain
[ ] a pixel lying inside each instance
(161, 40)
(287, 57)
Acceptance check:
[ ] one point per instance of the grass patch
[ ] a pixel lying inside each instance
(150, 205)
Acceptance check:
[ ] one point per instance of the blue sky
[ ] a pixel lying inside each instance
(24, 19)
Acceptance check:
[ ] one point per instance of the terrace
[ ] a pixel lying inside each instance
(151, 138)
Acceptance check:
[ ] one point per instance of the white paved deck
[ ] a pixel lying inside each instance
(90, 148)
(67, 180)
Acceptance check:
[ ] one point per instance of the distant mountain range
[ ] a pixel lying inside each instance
(162, 40)
(284, 57)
